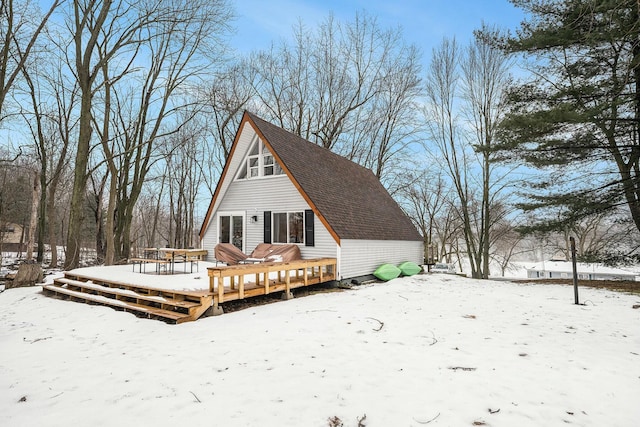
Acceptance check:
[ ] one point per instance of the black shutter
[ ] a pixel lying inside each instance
(308, 228)
(267, 227)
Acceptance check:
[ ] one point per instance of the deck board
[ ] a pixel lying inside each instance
(178, 306)
(99, 299)
(118, 292)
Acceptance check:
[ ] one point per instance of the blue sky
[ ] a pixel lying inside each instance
(424, 22)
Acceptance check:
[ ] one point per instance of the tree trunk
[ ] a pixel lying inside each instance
(100, 245)
(29, 273)
(485, 225)
(77, 211)
(110, 254)
(84, 53)
(51, 219)
(42, 217)
(631, 183)
(33, 221)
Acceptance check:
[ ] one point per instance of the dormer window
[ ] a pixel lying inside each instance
(259, 163)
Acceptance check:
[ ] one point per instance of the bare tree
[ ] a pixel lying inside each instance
(150, 228)
(449, 231)
(479, 76)
(387, 125)
(348, 63)
(171, 44)
(424, 201)
(92, 23)
(228, 94)
(63, 122)
(485, 71)
(35, 123)
(47, 118)
(96, 204)
(596, 236)
(19, 33)
(443, 128)
(179, 56)
(285, 82)
(183, 175)
(507, 244)
(350, 87)
(33, 219)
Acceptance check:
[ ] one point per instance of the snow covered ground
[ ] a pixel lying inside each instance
(435, 350)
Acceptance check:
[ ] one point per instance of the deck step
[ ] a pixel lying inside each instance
(153, 312)
(125, 293)
(173, 306)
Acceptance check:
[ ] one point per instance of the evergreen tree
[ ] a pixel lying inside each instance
(578, 115)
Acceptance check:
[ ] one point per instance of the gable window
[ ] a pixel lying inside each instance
(270, 166)
(259, 163)
(288, 227)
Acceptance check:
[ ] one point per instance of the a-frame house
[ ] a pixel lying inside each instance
(279, 188)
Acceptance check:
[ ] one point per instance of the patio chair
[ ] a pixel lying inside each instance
(228, 253)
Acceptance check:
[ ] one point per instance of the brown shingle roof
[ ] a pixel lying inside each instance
(349, 197)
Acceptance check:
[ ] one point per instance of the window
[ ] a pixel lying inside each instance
(259, 163)
(296, 227)
(254, 166)
(268, 165)
(279, 228)
(288, 227)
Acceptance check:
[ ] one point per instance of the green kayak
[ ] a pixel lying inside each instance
(409, 268)
(387, 272)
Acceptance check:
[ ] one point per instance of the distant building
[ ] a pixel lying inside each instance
(555, 269)
(11, 237)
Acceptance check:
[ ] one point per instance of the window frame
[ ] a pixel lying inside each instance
(275, 228)
(255, 166)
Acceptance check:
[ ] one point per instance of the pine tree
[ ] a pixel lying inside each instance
(578, 115)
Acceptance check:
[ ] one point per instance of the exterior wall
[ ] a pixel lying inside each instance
(11, 233)
(546, 274)
(247, 133)
(605, 276)
(11, 238)
(362, 257)
(255, 196)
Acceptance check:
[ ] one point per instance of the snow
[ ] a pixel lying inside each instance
(582, 268)
(437, 350)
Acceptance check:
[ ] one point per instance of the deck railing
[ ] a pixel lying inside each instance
(236, 282)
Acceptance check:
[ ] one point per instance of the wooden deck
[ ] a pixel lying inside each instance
(230, 283)
(178, 306)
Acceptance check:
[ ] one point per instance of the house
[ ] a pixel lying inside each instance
(279, 188)
(586, 271)
(12, 237)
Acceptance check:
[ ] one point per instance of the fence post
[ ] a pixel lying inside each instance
(575, 269)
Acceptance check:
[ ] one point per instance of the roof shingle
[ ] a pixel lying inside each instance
(349, 196)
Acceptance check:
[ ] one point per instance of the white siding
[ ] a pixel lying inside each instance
(254, 197)
(209, 240)
(244, 141)
(362, 257)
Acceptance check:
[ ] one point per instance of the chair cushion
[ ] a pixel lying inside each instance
(262, 250)
(226, 252)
